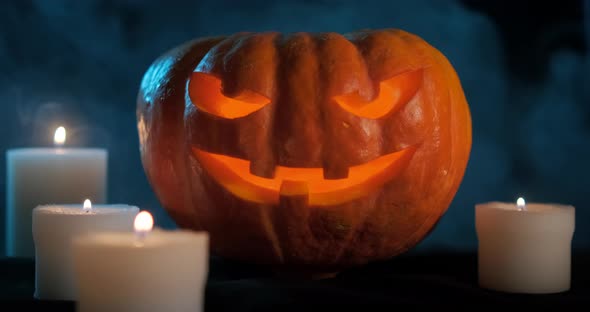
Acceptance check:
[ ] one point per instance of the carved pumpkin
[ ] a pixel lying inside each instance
(311, 152)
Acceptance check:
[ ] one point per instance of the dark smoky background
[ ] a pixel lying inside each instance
(524, 66)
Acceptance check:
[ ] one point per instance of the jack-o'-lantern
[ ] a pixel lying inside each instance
(305, 152)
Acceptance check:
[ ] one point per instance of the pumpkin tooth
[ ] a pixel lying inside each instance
(262, 169)
(294, 188)
(332, 172)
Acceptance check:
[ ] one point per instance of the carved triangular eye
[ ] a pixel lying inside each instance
(205, 91)
(393, 94)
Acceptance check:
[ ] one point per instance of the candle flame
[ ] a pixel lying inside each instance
(143, 222)
(59, 139)
(87, 205)
(521, 204)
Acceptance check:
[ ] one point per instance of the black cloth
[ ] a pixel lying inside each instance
(415, 279)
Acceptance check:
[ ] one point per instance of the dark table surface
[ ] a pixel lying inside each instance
(436, 278)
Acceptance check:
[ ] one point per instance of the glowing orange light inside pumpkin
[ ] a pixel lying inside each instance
(234, 174)
(205, 91)
(393, 94)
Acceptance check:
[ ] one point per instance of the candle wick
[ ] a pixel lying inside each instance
(59, 148)
(521, 204)
(87, 206)
(140, 237)
(143, 224)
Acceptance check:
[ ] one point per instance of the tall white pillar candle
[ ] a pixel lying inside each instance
(524, 248)
(142, 271)
(39, 176)
(53, 229)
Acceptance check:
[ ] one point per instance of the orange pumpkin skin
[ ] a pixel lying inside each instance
(314, 152)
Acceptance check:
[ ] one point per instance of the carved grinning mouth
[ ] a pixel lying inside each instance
(234, 175)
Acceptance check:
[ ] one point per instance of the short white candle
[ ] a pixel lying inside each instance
(53, 229)
(144, 271)
(39, 176)
(524, 248)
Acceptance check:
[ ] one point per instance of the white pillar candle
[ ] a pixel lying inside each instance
(53, 229)
(142, 271)
(524, 248)
(39, 176)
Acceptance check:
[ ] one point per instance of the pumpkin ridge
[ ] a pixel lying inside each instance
(314, 215)
(318, 245)
(296, 105)
(336, 247)
(271, 232)
(266, 211)
(184, 160)
(428, 224)
(246, 63)
(209, 63)
(160, 101)
(345, 71)
(371, 47)
(299, 84)
(274, 122)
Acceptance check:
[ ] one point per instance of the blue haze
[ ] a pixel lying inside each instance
(79, 63)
